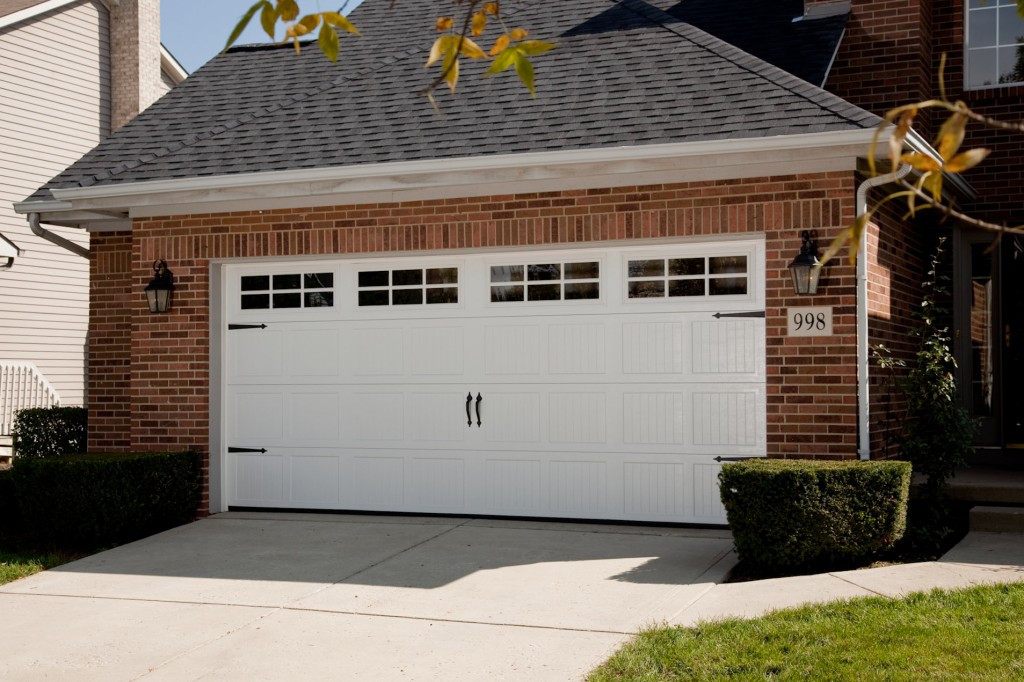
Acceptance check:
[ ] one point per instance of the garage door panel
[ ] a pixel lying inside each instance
(512, 350)
(315, 481)
(608, 408)
(375, 351)
(259, 480)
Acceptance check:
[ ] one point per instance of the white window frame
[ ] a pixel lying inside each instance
(993, 6)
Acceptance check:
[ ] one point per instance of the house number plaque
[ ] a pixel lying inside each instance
(809, 321)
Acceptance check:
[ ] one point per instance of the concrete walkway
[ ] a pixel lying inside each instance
(285, 596)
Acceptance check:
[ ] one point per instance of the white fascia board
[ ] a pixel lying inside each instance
(34, 10)
(474, 176)
(172, 66)
(8, 249)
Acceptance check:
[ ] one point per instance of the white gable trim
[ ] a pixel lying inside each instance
(33, 11)
(171, 66)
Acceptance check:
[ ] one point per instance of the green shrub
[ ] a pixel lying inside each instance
(10, 517)
(89, 501)
(49, 432)
(787, 514)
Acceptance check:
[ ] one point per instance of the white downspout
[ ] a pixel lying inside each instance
(863, 352)
(39, 231)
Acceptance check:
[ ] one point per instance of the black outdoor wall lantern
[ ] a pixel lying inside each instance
(160, 288)
(805, 268)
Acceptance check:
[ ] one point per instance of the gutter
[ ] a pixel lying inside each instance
(523, 163)
(40, 231)
(863, 354)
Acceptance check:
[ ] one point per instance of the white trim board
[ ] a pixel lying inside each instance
(467, 176)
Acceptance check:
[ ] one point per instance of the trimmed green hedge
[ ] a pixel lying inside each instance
(787, 514)
(95, 500)
(49, 431)
(10, 517)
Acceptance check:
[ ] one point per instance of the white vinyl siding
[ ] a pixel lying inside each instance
(55, 94)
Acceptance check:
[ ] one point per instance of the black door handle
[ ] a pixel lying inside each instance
(469, 419)
(479, 398)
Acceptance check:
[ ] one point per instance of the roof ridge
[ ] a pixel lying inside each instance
(702, 38)
(248, 117)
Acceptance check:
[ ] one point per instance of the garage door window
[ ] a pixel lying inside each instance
(288, 290)
(545, 282)
(683, 277)
(410, 286)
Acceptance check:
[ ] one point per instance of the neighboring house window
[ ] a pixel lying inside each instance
(995, 44)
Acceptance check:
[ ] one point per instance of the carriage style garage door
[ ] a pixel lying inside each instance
(584, 383)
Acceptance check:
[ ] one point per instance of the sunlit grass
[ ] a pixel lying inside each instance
(970, 634)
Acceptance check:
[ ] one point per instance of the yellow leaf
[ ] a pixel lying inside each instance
(444, 23)
(491, 8)
(951, 136)
(328, 41)
(243, 22)
(268, 19)
(471, 49)
(921, 162)
(307, 24)
(906, 119)
(440, 47)
(287, 9)
(452, 77)
(518, 34)
(966, 160)
(479, 23)
(535, 47)
(338, 21)
(499, 45)
(851, 235)
(933, 183)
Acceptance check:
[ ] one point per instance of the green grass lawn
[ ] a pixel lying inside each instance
(972, 634)
(19, 563)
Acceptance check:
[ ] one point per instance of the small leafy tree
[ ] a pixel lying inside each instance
(938, 432)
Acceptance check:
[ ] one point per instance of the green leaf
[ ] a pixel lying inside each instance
(243, 22)
(535, 47)
(525, 70)
(337, 20)
(503, 61)
(328, 41)
(268, 18)
(1020, 8)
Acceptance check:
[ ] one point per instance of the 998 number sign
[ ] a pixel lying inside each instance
(810, 321)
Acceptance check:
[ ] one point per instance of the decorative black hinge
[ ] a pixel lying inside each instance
(246, 326)
(752, 313)
(231, 448)
(733, 459)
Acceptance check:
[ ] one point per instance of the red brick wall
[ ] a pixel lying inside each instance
(885, 58)
(897, 252)
(110, 336)
(999, 180)
(812, 390)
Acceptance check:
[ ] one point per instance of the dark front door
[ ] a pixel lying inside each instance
(989, 335)
(1012, 339)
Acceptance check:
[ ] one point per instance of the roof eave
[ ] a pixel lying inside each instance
(463, 176)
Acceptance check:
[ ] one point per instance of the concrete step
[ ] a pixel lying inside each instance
(997, 519)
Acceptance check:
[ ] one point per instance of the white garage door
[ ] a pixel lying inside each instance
(586, 383)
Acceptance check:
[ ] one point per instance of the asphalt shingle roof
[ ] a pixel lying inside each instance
(624, 73)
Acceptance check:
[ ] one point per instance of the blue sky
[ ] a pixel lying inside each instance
(196, 30)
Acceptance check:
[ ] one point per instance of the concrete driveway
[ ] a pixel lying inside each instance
(286, 596)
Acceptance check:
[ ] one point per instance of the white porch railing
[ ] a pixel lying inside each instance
(22, 386)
